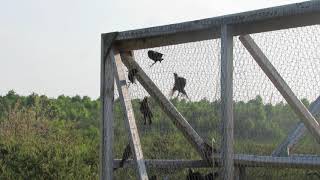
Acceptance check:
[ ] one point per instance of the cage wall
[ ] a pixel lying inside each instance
(199, 64)
(262, 117)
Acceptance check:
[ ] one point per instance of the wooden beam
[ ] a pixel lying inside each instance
(298, 107)
(240, 160)
(227, 102)
(107, 100)
(296, 134)
(269, 19)
(130, 121)
(178, 120)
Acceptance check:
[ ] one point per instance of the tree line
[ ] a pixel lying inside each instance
(59, 138)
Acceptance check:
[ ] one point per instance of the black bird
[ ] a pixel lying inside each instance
(126, 155)
(194, 175)
(3, 151)
(179, 85)
(145, 111)
(312, 174)
(155, 56)
(211, 176)
(153, 177)
(132, 75)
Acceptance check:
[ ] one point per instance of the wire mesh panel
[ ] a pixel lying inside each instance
(263, 119)
(199, 64)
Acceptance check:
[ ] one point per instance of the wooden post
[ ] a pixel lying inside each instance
(296, 134)
(178, 120)
(307, 118)
(227, 102)
(107, 100)
(130, 119)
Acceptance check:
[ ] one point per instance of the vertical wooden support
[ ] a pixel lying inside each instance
(296, 134)
(227, 102)
(131, 125)
(107, 100)
(307, 118)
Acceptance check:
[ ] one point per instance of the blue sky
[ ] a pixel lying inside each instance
(53, 47)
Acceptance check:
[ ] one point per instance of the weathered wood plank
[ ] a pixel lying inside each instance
(178, 120)
(130, 121)
(297, 133)
(302, 112)
(240, 160)
(227, 102)
(107, 100)
(269, 19)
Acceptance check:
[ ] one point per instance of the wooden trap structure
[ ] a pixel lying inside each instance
(117, 52)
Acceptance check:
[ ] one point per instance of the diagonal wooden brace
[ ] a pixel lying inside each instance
(297, 133)
(130, 121)
(178, 120)
(307, 118)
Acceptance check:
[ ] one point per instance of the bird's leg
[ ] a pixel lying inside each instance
(145, 119)
(153, 63)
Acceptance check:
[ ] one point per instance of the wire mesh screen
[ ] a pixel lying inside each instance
(262, 117)
(199, 64)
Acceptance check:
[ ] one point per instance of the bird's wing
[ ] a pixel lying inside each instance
(183, 81)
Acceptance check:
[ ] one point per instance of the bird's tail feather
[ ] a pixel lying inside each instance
(171, 92)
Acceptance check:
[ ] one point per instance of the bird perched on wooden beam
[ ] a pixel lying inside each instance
(153, 177)
(145, 111)
(194, 175)
(198, 176)
(211, 176)
(155, 56)
(125, 156)
(132, 75)
(179, 85)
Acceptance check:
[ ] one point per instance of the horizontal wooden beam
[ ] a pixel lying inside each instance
(269, 19)
(304, 162)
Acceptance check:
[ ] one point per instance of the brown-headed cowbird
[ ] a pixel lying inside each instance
(179, 85)
(145, 111)
(125, 155)
(132, 75)
(194, 175)
(155, 56)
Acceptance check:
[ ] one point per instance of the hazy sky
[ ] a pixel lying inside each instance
(53, 47)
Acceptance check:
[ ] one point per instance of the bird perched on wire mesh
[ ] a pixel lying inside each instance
(132, 75)
(145, 111)
(155, 56)
(125, 155)
(179, 85)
